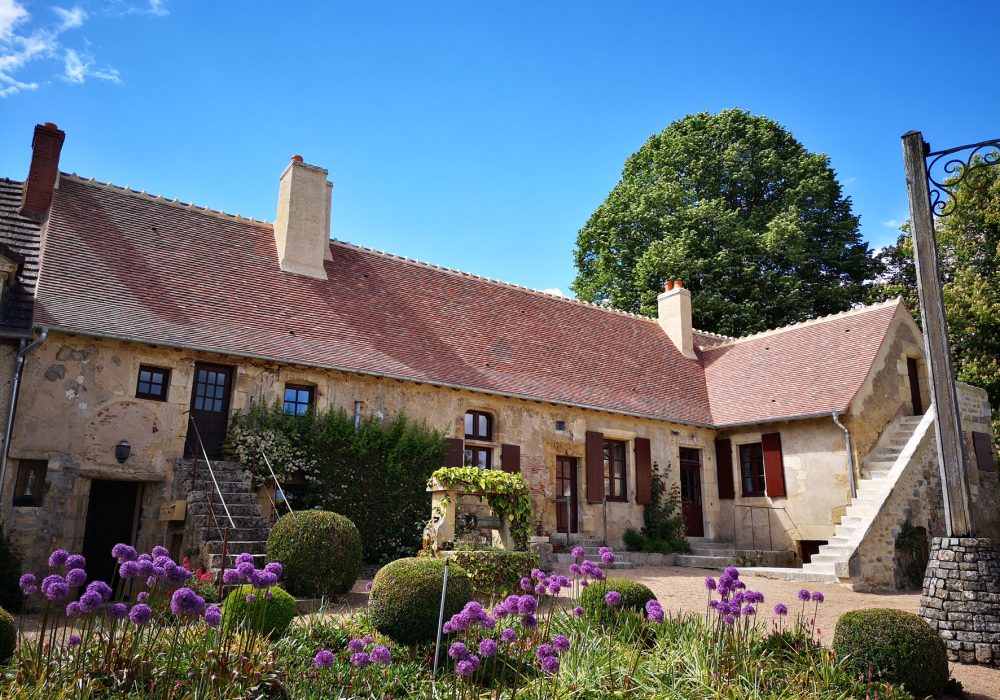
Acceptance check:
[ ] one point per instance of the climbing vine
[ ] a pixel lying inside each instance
(506, 494)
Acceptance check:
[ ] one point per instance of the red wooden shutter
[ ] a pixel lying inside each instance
(982, 443)
(456, 452)
(643, 472)
(774, 465)
(724, 468)
(510, 458)
(595, 467)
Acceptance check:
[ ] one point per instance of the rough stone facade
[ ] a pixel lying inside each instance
(961, 598)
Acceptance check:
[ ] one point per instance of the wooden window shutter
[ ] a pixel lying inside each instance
(982, 443)
(510, 458)
(595, 467)
(774, 465)
(643, 472)
(724, 468)
(456, 452)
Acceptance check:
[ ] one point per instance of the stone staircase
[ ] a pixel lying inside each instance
(879, 472)
(713, 553)
(248, 531)
(592, 553)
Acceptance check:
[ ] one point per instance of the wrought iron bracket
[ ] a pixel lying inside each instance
(946, 171)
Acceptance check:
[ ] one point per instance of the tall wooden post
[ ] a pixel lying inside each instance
(951, 450)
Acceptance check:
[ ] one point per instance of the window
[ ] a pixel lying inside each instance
(30, 487)
(152, 383)
(478, 426)
(752, 469)
(614, 470)
(298, 399)
(481, 457)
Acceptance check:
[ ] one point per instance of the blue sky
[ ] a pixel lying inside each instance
(474, 135)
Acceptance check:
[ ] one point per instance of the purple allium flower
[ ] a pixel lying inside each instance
(544, 650)
(142, 597)
(804, 595)
(575, 570)
(464, 668)
(508, 636)
(654, 611)
(159, 551)
(28, 583)
(245, 569)
(355, 645)
(74, 609)
(128, 569)
(58, 558)
(179, 574)
(560, 643)
(749, 610)
(577, 611)
(527, 605)
(251, 598)
(474, 660)
(140, 614)
(186, 602)
(817, 597)
(76, 561)
(539, 589)
(550, 664)
(101, 588)
(117, 611)
(602, 550)
(76, 577)
(91, 601)
(244, 557)
(608, 558)
(230, 577)
(579, 552)
(55, 587)
(584, 583)
(713, 604)
(537, 574)
(323, 659)
(144, 568)
(710, 583)
(780, 609)
(367, 639)
(458, 651)
(613, 598)
(448, 628)
(525, 584)
(529, 621)
(74, 640)
(729, 618)
(487, 648)
(213, 615)
(123, 552)
(381, 655)
(733, 572)
(360, 659)
(368, 585)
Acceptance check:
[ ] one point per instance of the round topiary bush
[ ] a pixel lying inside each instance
(270, 617)
(8, 635)
(406, 597)
(319, 550)
(634, 595)
(896, 646)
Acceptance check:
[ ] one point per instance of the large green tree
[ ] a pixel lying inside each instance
(732, 204)
(969, 255)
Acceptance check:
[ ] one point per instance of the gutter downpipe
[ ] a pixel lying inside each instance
(850, 453)
(15, 387)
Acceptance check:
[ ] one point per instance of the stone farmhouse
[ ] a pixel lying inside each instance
(131, 322)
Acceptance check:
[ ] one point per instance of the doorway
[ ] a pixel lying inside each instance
(566, 503)
(213, 386)
(112, 517)
(694, 524)
(913, 372)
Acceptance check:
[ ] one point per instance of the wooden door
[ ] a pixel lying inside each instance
(213, 386)
(566, 501)
(914, 375)
(691, 492)
(112, 517)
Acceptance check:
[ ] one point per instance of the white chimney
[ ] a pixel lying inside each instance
(302, 226)
(673, 311)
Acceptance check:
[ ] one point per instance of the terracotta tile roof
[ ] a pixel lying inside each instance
(19, 239)
(810, 368)
(125, 264)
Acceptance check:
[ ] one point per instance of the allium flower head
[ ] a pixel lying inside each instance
(733, 572)
(381, 655)
(525, 584)
(537, 574)
(458, 651)
(76, 561)
(654, 611)
(608, 558)
(245, 569)
(544, 650)
(749, 610)
(529, 621)
(710, 583)
(74, 609)
(159, 551)
(124, 552)
(55, 587)
(579, 552)
(274, 568)
(29, 584)
(186, 602)
(560, 643)
(368, 585)
(244, 558)
(251, 598)
(613, 598)
(804, 595)
(527, 605)
(550, 664)
(817, 596)
(142, 597)
(117, 611)
(464, 668)
(76, 577)
(128, 569)
(729, 618)
(578, 611)
(487, 648)
(91, 601)
(213, 615)
(780, 610)
(602, 550)
(101, 588)
(575, 570)
(323, 659)
(74, 640)
(230, 577)
(508, 636)
(58, 558)
(360, 659)
(140, 614)
(539, 588)
(144, 568)
(356, 645)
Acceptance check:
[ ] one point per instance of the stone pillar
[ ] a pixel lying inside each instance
(961, 598)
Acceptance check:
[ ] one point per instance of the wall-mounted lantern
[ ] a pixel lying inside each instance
(122, 451)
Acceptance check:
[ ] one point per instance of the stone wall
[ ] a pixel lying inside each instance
(984, 485)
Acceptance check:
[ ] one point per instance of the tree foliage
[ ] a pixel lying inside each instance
(969, 255)
(731, 203)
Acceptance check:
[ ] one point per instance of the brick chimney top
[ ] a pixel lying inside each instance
(43, 174)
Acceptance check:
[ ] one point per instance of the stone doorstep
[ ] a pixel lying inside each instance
(789, 574)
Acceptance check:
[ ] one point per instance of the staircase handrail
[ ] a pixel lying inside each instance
(211, 472)
(277, 484)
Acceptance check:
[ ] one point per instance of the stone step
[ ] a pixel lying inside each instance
(707, 543)
(235, 547)
(844, 531)
(707, 552)
(874, 475)
(836, 541)
(228, 498)
(704, 562)
(619, 563)
(861, 512)
(581, 542)
(824, 558)
(852, 520)
(834, 549)
(201, 508)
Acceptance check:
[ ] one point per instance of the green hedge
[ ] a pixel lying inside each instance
(495, 571)
(896, 646)
(320, 552)
(8, 635)
(270, 617)
(635, 595)
(406, 597)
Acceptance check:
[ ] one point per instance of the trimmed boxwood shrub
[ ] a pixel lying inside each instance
(8, 635)
(896, 646)
(270, 617)
(406, 597)
(495, 571)
(635, 595)
(319, 550)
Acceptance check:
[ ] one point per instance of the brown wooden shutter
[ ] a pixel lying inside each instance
(724, 468)
(643, 472)
(595, 467)
(774, 465)
(510, 458)
(982, 443)
(456, 452)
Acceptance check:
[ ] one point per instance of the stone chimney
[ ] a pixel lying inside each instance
(673, 311)
(302, 226)
(44, 171)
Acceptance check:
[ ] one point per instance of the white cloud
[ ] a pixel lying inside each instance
(78, 68)
(556, 291)
(157, 8)
(11, 13)
(71, 19)
(893, 223)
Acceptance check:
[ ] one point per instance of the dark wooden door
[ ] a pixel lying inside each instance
(691, 492)
(213, 386)
(111, 518)
(914, 374)
(566, 503)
